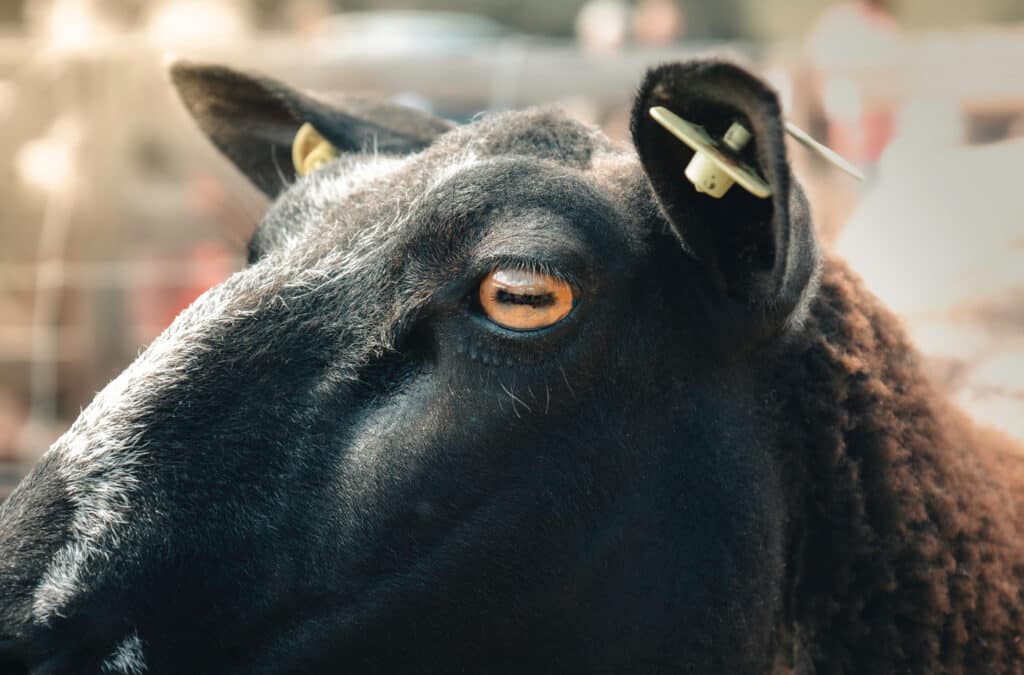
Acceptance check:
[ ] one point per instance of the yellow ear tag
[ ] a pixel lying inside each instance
(310, 150)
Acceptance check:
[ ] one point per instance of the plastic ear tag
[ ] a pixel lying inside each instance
(310, 150)
(717, 165)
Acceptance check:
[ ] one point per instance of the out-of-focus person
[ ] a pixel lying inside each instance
(306, 17)
(70, 26)
(191, 23)
(602, 26)
(850, 43)
(854, 50)
(658, 23)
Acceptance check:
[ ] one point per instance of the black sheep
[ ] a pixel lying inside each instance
(510, 398)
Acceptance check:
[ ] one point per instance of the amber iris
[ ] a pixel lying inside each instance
(523, 300)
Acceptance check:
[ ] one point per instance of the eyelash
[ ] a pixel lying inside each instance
(519, 265)
(525, 265)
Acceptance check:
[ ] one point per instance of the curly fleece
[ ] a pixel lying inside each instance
(906, 548)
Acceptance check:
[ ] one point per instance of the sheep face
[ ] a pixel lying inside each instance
(485, 399)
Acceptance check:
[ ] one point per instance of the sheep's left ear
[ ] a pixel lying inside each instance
(758, 255)
(254, 120)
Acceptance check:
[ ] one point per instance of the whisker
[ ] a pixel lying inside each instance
(277, 167)
(516, 399)
(565, 379)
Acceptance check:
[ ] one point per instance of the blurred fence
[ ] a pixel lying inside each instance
(115, 213)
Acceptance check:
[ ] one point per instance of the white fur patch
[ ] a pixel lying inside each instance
(98, 479)
(98, 457)
(127, 658)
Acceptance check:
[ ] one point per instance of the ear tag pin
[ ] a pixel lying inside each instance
(828, 153)
(717, 165)
(310, 150)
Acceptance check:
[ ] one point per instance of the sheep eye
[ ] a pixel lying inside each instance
(523, 300)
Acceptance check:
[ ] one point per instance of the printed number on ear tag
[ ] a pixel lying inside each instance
(310, 150)
(716, 164)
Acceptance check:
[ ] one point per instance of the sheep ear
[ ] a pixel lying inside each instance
(254, 120)
(758, 254)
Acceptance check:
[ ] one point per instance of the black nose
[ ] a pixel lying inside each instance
(12, 660)
(60, 651)
(19, 658)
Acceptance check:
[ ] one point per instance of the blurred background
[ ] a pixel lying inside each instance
(115, 213)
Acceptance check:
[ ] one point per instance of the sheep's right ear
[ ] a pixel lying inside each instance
(758, 255)
(254, 120)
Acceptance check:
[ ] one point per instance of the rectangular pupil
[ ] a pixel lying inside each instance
(543, 300)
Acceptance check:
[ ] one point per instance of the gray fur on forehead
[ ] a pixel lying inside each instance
(365, 189)
(544, 133)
